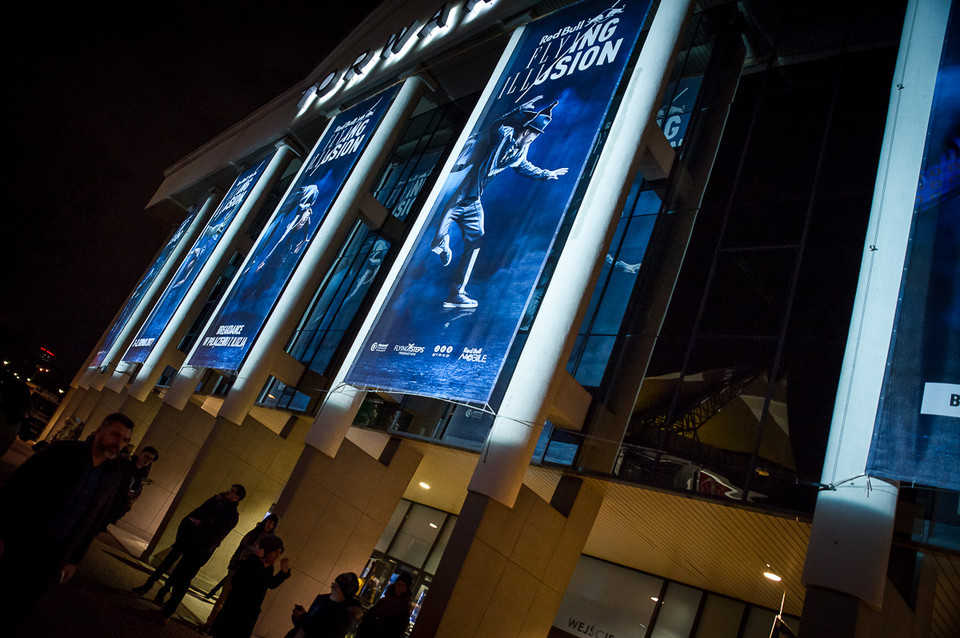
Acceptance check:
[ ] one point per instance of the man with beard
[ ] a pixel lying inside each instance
(53, 506)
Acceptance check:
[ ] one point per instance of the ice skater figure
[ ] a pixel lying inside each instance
(300, 224)
(502, 145)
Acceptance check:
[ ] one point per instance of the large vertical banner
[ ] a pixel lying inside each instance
(142, 288)
(452, 315)
(917, 432)
(196, 259)
(282, 243)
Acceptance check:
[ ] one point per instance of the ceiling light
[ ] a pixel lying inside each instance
(433, 525)
(769, 574)
(424, 485)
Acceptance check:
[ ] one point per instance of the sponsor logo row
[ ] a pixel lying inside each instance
(474, 355)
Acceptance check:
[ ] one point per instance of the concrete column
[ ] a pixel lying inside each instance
(528, 397)
(505, 569)
(179, 437)
(853, 523)
(146, 304)
(182, 386)
(201, 455)
(333, 511)
(319, 254)
(165, 351)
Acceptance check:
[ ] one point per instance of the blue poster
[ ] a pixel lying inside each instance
(190, 267)
(452, 315)
(142, 288)
(282, 243)
(916, 436)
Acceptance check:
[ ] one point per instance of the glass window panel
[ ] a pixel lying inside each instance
(678, 609)
(625, 266)
(434, 561)
(338, 299)
(720, 618)
(391, 529)
(594, 360)
(542, 442)
(575, 354)
(759, 623)
(562, 448)
(415, 538)
(648, 203)
(607, 598)
(468, 427)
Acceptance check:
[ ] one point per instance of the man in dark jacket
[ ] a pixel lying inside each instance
(52, 508)
(198, 537)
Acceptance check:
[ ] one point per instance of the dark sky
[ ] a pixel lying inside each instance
(103, 100)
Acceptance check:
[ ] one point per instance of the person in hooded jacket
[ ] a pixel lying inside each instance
(248, 587)
(389, 617)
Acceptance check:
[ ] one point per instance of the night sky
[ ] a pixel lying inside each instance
(105, 99)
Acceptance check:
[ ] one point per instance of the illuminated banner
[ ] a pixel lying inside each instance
(281, 245)
(916, 436)
(452, 315)
(142, 288)
(196, 259)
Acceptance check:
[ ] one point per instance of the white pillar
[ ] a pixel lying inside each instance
(509, 446)
(126, 335)
(303, 283)
(164, 351)
(853, 525)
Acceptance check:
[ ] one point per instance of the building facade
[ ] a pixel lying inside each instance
(582, 313)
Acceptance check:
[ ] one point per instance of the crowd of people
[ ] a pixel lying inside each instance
(69, 490)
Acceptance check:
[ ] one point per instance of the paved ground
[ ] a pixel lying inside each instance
(97, 602)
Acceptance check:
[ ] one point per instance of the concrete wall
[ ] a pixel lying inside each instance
(333, 511)
(208, 456)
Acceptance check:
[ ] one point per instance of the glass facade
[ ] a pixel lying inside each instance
(608, 600)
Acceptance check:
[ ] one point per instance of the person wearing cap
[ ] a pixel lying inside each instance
(331, 615)
(390, 616)
(248, 586)
(502, 145)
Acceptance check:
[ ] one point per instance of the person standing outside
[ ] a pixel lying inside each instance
(135, 470)
(250, 545)
(198, 537)
(53, 506)
(249, 584)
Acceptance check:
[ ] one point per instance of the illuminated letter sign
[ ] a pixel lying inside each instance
(279, 248)
(197, 257)
(452, 315)
(916, 436)
(142, 288)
